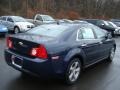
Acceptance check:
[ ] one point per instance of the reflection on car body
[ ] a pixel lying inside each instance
(59, 50)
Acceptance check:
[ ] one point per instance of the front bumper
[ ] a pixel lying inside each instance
(36, 67)
(22, 29)
(3, 31)
(117, 32)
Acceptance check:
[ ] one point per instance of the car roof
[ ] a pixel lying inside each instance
(10, 16)
(68, 25)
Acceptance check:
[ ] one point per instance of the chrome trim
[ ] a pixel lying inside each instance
(13, 63)
(77, 39)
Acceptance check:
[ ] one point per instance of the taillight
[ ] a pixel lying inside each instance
(9, 42)
(39, 52)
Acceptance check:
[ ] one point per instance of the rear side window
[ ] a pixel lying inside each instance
(87, 33)
(3, 18)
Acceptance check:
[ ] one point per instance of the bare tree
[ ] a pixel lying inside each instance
(84, 8)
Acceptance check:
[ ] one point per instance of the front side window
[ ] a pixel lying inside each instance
(47, 18)
(87, 33)
(100, 33)
(39, 18)
(10, 19)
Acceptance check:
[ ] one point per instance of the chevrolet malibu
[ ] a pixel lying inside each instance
(59, 50)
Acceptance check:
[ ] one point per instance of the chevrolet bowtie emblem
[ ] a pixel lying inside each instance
(20, 43)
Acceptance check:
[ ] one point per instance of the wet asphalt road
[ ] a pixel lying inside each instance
(102, 76)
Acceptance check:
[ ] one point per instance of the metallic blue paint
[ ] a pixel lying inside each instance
(63, 47)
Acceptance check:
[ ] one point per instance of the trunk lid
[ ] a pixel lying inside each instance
(23, 43)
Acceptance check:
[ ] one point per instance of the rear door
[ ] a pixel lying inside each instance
(89, 44)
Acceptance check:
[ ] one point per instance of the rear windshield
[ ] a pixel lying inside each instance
(50, 31)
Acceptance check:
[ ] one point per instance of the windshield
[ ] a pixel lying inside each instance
(117, 24)
(109, 24)
(48, 30)
(18, 19)
(112, 24)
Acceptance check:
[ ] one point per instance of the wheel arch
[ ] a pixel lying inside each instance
(76, 53)
(80, 58)
(16, 27)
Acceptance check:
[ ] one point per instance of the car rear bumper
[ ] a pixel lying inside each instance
(35, 67)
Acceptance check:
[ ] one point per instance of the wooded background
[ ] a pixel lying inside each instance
(71, 9)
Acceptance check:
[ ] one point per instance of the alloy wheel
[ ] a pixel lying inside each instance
(112, 54)
(74, 71)
(16, 30)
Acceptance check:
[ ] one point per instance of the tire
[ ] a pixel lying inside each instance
(16, 30)
(111, 55)
(73, 71)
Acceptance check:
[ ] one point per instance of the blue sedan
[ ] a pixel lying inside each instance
(3, 29)
(59, 50)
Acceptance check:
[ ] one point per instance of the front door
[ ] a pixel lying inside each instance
(90, 45)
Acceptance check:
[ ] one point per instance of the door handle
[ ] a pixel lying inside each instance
(84, 45)
(100, 42)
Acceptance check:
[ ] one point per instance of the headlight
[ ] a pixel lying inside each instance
(30, 26)
(33, 26)
(116, 29)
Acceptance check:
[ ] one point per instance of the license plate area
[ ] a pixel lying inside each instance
(17, 61)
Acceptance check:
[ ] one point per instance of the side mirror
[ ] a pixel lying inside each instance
(102, 24)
